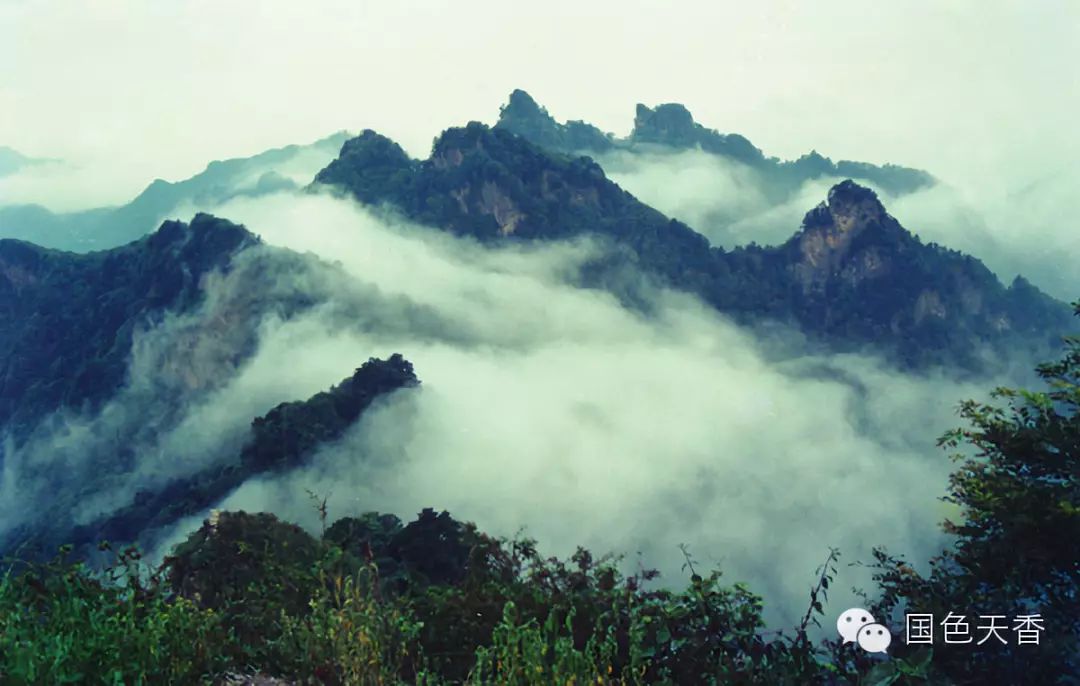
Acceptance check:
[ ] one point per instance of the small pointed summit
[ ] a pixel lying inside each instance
(670, 124)
(850, 203)
(524, 117)
(523, 104)
(848, 206)
(366, 166)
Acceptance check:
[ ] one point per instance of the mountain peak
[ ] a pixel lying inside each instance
(472, 135)
(852, 204)
(206, 236)
(523, 116)
(848, 206)
(368, 166)
(849, 233)
(672, 124)
(372, 148)
(853, 275)
(521, 104)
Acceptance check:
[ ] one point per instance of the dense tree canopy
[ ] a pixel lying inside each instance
(1017, 541)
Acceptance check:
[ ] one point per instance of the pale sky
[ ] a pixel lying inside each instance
(982, 93)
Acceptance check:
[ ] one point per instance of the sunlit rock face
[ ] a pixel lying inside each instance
(827, 246)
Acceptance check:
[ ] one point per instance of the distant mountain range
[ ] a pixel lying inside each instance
(671, 126)
(12, 160)
(101, 228)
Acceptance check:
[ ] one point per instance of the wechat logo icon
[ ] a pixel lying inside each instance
(856, 625)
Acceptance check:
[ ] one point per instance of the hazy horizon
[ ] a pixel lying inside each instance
(160, 90)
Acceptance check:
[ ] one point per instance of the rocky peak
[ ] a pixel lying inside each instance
(670, 124)
(371, 148)
(455, 144)
(522, 107)
(368, 167)
(849, 207)
(524, 117)
(853, 205)
(849, 235)
(207, 239)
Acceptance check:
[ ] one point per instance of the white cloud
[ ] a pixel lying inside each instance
(555, 409)
(728, 202)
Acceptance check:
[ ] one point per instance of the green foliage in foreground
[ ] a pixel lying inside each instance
(62, 624)
(248, 593)
(1017, 546)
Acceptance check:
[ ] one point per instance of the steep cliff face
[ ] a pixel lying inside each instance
(850, 237)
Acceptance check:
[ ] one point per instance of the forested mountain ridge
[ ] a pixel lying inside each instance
(67, 320)
(278, 441)
(671, 126)
(852, 276)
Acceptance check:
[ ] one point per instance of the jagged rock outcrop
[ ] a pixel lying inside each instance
(523, 116)
(831, 231)
(671, 126)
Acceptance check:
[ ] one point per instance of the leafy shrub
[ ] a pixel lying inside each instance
(62, 624)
